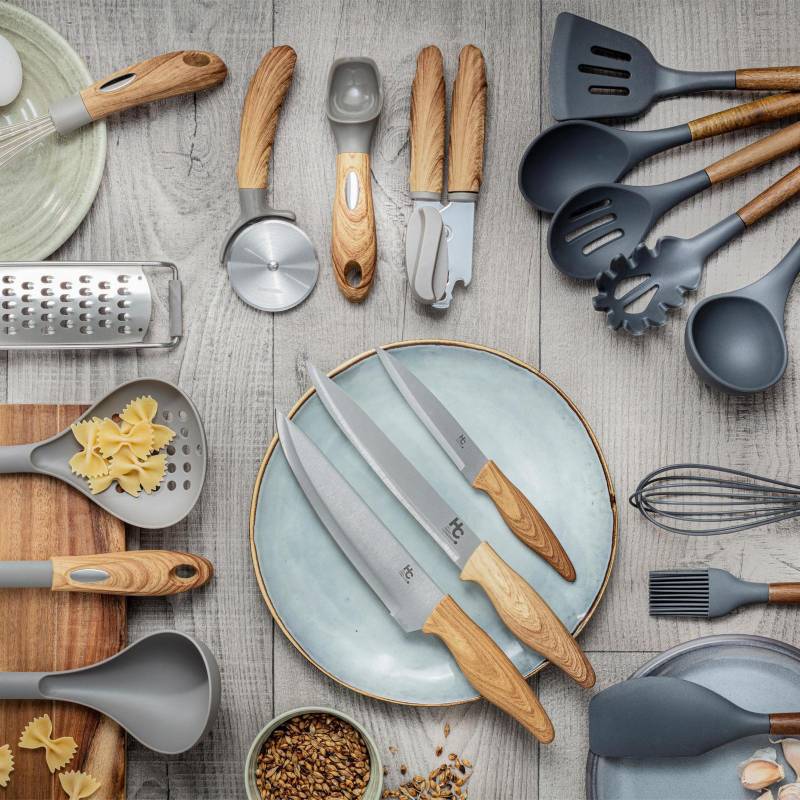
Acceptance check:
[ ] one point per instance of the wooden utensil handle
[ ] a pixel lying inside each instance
(427, 132)
(262, 105)
(468, 122)
(181, 72)
(525, 522)
(754, 113)
(140, 572)
(784, 593)
(785, 724)
(755, 154)
(488, 668)
(771, 198)
(354, 245)
(526, 614)
(768, 78)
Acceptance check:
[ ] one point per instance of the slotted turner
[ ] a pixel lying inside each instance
(600, 73)
(674, 266)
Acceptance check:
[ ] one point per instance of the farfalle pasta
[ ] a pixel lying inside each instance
(58, 752)
(78, 785)
(6, 765)
(134, 475)
(144, 409)
(89, 462)
(138, 439)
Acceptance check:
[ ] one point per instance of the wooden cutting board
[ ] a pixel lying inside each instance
(42, 630)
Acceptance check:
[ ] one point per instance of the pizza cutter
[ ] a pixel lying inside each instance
(271, 262)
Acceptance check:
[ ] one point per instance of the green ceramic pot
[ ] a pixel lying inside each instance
(375, 785)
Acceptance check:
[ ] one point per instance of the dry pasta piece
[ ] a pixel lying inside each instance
(143, 409)
(58, 752)
(88, 463)
(134, 475)
(78, 784)
(110, 439)
(100, 483)
(6, 765)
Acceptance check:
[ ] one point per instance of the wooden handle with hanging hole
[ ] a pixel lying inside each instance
(756, 112)
(526, 614)
(525, 522)
(768, 78)
(427, 132)
(770, 199)
(784, 593)
(467, 123)
(181, 72)
(488, 668)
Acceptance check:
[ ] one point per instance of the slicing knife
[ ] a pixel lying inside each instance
(523, 611)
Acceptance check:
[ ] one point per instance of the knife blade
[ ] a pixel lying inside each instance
(523, 611)
(521, 516)
(408, 593)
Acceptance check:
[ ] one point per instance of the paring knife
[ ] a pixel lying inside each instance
(412, 598)
(523, 611)
(481, 472)
(139, 572)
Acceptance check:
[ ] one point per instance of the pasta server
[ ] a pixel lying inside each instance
(167, 75)
(89, 305)
(142, 573)
(186, 457)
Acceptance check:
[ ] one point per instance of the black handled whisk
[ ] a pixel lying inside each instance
(700, 500)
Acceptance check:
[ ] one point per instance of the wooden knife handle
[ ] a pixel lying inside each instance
(525, 522)
(756, 112)
(768, 78)
(468, 122)
(488, 668)
(771, 198)
(427, 132)
(755, 154)
(787, 724)
(181, 72)
(138, 572)
(262, 104)
(526, 614)
(784, 593)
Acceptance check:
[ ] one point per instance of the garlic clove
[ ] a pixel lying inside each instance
(766, 796)
(789, 791)
(761, 770)
(791, 752)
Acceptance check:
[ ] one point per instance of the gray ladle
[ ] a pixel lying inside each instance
(186, 457)
(570, 156)
(164, 689)
(735, 341)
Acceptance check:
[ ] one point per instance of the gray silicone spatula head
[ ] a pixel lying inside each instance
(164, 690)
(186, 457)
(656, 717)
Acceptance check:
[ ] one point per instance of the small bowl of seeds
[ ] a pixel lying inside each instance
(314, 754)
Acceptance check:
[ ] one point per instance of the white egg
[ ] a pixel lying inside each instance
(10, 72)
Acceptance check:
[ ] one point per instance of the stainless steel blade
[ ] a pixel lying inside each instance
(454, 440)
(391, 572)
(397, 472)
(459, 225)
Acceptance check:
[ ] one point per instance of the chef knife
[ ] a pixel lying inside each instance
(524, 612)
(481, 472)
(411, 597)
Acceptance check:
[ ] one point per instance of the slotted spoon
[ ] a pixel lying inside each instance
(186, 457)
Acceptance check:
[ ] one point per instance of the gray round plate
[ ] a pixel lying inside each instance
(517, 417)
(755, 672)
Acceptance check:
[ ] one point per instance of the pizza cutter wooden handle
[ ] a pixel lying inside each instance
(262, 105)
(525, 522)
(526, 614)
(770, 199)
(488, 668)
(167, 75)
(467, 123)
(743, 116)
(427, 131)
(768, 78)
(140, 572)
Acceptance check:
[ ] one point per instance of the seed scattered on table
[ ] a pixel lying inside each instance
(448, 781)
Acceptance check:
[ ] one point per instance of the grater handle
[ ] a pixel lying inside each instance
(17, 458)
(175, 310)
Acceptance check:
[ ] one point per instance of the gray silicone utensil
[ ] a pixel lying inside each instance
(674, 266)
(665, 717)
(606, 219)
(570, 156)
(186, 457)
(736, 342)
(271, 262)
(600, 73)
(164, 689)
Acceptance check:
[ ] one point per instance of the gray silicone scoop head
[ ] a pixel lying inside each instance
(355, 99)
(658, 717)
(164, 690)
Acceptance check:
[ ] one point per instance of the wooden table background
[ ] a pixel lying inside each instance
(169, 192)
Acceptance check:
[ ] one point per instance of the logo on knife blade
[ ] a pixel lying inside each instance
(407, 573)
(462, 440)
(454, 530)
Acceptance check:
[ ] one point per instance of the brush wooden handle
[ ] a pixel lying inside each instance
(755, 154)
(354, 245)
(468, 122)
(525, 522)
(770, 199)
(427, 132)
(526, 614)
(768, 78)
(754, 113)
(488, 668)
(262, 105)
(784, 593)
(140, 572)
(181, 72)
(786, 724)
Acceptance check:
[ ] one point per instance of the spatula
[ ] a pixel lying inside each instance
(600, 73)
(656, 717)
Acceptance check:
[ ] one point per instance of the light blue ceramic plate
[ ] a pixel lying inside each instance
(521, 421)
(754, 672)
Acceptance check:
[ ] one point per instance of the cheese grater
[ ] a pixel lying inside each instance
(89, 305)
